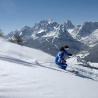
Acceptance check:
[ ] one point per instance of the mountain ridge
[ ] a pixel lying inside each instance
(47, 36)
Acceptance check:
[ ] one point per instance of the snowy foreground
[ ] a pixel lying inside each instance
(22, 77)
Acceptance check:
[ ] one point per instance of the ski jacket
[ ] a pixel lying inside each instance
(61, 56)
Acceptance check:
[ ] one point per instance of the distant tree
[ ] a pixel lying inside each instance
(1, 33)
(17, 38)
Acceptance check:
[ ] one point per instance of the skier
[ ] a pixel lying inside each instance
(60, 58)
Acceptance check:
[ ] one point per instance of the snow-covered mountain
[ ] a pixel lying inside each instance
(49, 36)
(28, 73)
(92, 39)
(86, 33)
(87, 28)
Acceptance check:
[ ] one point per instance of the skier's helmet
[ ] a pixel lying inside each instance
(66, 46)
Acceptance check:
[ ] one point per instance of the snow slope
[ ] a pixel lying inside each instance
(21, 52)
(31, 80)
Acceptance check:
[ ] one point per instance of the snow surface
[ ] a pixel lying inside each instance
(22, 77)
(52, 34)
(40, 31)
(70, 30)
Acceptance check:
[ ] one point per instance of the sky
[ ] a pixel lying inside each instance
(14, 14)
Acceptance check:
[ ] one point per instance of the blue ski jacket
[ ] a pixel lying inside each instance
(61, 56)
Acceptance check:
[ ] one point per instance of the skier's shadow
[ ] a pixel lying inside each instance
(77, 73)
(17, 61)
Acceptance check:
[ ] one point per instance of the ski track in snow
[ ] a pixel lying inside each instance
(17, 81)
(81, 73)
(17, 61)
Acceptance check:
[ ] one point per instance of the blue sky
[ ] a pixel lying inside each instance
(14, 14)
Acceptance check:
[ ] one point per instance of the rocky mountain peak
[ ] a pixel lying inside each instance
(68, 24)
(87, 28)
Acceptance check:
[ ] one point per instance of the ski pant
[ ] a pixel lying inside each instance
(62, 65)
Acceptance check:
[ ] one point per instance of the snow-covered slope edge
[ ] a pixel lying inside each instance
(22, 52)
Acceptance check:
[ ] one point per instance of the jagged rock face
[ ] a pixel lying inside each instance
(87, 28)
(92, 57)
(44, 26)
(86, 33)
(27, 31)
(69, 25)
(51, 44)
